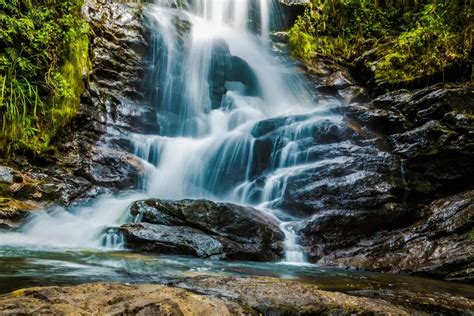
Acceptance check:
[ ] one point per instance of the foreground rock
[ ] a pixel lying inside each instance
(271, 296)
(220, 295)
(204, 229)
(113, 299)
(227, 296)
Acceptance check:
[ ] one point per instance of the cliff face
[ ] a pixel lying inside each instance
(418, 216)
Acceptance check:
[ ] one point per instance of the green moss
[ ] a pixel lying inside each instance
(399, 40)
(43, 57)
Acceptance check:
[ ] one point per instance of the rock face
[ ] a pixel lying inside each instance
(400, 202)
(439, 244)
(89, 160)
(204, 229)
(431, 131)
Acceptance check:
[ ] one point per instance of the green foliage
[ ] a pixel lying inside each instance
(407, 39)
(43, 55)
(302, 42)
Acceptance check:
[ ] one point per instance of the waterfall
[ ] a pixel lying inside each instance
(213, 80)
(113, 239)
(293, 251)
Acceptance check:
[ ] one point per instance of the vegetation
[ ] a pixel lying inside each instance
(43, 56)
(398, 40)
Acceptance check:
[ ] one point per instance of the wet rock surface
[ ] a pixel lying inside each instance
(204, 229)
(410, 165)
(439, 244)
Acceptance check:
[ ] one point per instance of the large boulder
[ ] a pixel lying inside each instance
(204, 229)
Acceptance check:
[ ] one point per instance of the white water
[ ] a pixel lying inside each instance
(202, 152)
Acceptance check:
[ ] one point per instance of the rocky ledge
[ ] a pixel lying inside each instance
(218, 295)
(204, 229)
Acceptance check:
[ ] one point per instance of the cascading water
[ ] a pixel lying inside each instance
(214, 83)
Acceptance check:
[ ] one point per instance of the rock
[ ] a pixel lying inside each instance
(9, 175)
(337, 229)
(460, 122)
(270, 296)
(353, 180)
(339, 80)
(377, 211)
(14, 212)
(427, 139)
(227, 68)
(439, 243)
(294, 2)
(113, 299)
(380, 120)
(204, 229)
(111, 168)
(209, 296)
(172, 239)
(279, 37)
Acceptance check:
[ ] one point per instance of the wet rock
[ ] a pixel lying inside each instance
(377, 210)
(111, 168)
(205, 229)
(359, 179)
(279, 37)
(336, 229)
(427, 139)
(14, 212)
(294, 2)
(9, 175)
(381, 120)
(339, 80)
(460, 122)
(227, 68)
(439, 243)
(172, 239)
(202, 295)
(353, 94)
